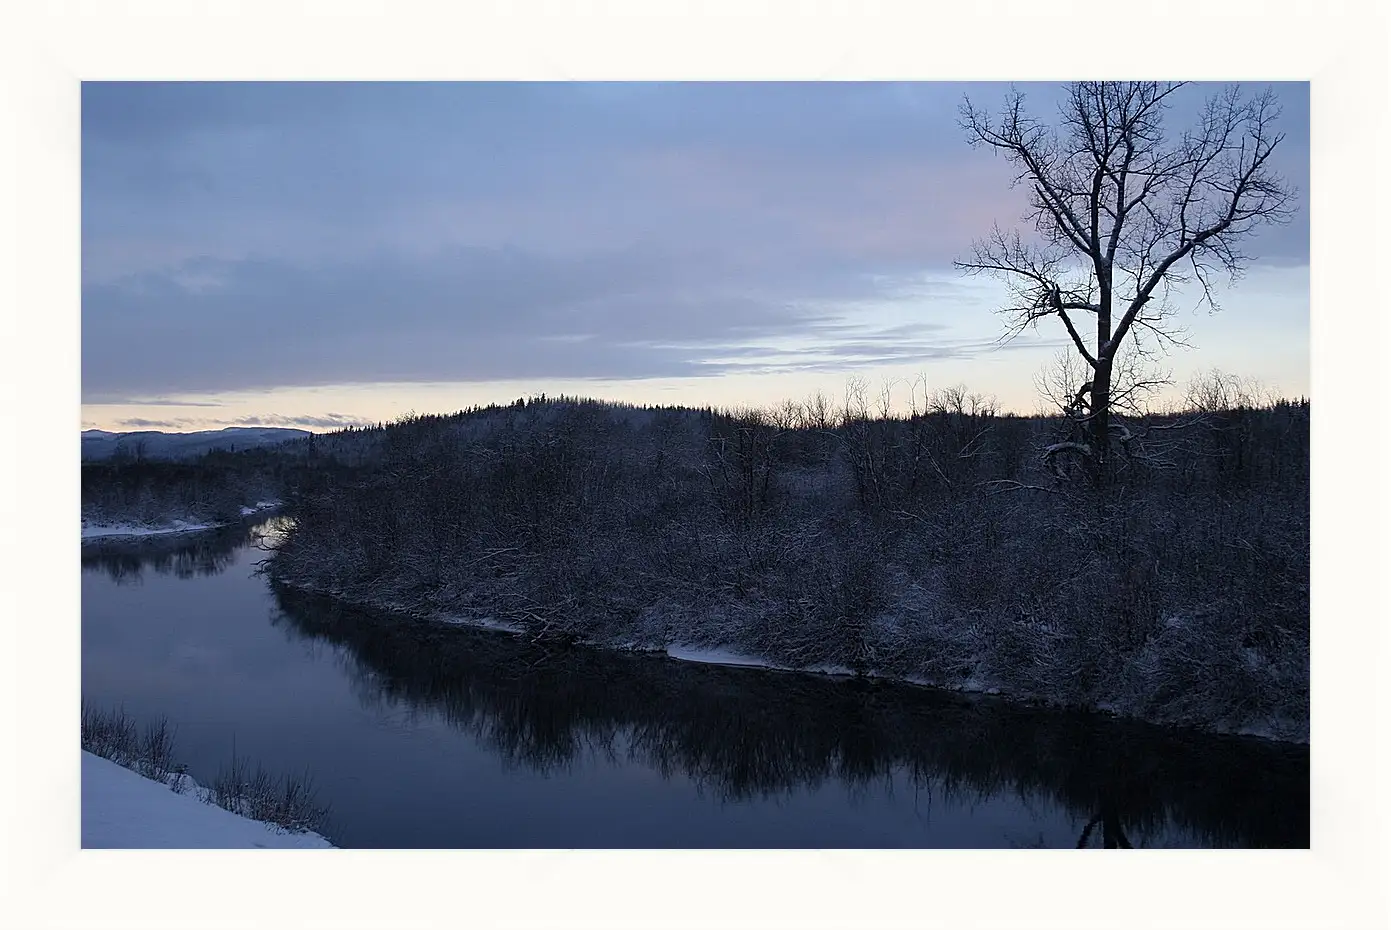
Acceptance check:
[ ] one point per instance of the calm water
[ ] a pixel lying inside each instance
(423, 736)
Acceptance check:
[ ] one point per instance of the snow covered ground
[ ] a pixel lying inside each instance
(718, 656)
(124, 810)
(98, 531)
(130, 529)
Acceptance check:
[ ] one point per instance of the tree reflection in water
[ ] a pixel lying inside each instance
(743, 733)
(184, 555)
(1112, 836)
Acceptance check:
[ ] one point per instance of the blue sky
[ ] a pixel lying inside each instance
(318, 254)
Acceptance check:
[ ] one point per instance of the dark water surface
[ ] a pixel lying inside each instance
(419, 735)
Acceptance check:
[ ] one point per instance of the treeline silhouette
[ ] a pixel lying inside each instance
(743, 734)
(212, 488)
(937, 546)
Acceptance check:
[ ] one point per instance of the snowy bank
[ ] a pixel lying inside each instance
(723, 656)
(100, 531)
(130, 529)
(124, 810)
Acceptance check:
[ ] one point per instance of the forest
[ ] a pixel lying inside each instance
(138, 491)
(936, 546)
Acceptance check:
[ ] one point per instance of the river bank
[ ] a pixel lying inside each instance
(91, 531)
(709, 652)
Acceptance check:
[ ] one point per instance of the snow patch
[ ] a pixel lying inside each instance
(100, 530)
(717, 656)
(125, 810)
(707, 656)
(482, 623)
(97, 531)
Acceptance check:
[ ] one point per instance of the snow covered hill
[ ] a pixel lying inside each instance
(125, 810)
(153, 444)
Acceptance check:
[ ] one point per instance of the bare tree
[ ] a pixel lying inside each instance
(1124, 212)
(1217, 390)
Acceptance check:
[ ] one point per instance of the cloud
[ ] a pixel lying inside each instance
(845, 356)
(310, 171)
(189, 424)
(142, 423)
(463, 315)
(151, 402)
(247, 236)
(327, 420)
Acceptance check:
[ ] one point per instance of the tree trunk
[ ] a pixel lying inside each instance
(1100, 438)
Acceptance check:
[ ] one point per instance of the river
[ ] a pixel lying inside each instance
(423, 735)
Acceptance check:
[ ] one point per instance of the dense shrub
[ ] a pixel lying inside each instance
(289, 802)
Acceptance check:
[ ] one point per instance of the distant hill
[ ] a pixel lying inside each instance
(152, 444)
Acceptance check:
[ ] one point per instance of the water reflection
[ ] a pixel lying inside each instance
(744, 734)
(738, 735)
(185, 555)
(203, 553)
(1112, 835)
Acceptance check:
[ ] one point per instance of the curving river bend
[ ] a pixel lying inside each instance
(421, 735)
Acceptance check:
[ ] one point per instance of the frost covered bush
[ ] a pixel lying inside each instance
(1196, 671)
(114, 735)
(290, 802)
